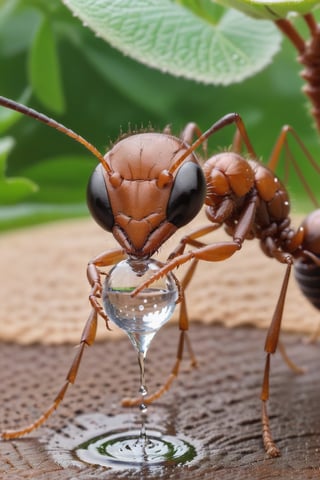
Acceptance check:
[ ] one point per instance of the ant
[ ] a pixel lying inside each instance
(243, 195)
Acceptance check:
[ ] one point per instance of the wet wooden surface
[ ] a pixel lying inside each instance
(215, 406)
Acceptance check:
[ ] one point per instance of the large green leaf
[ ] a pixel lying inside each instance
(220, 49)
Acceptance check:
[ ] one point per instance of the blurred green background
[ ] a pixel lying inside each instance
(98, 92)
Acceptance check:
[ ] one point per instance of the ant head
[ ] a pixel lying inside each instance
(228, 173)
(229, 177)
(142, 200)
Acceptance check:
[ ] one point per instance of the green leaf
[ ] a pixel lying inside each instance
(206, 9)
(17, 27)
(271, 9)
(6, 145)
(44, 69)
(169, 37)
(14, 189)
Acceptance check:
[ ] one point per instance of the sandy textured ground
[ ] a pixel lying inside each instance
(44, 289)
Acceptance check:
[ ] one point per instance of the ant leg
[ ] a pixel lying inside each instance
(87, 338)
(295, 368)
(313, 337)
(110, 257)
(190, 131)
(270, 348)
(211, 253)
(289, 30)
(280, 145)
(192, 240)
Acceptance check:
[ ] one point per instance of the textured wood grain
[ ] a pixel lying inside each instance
(216, 406)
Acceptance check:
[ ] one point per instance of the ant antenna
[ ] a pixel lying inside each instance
(221, 123)
(18, 107)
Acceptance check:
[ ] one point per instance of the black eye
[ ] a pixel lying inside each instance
(188, 194)
(98, 200)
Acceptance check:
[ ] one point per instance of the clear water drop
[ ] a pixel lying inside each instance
(143, 315)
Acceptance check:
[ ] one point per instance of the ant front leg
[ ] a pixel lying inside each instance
(87, 339)
(103, 260)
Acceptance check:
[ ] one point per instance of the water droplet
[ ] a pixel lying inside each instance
(143, 408)
(143, 315)
(143, 391)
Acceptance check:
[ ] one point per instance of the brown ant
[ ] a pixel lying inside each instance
(243, 195)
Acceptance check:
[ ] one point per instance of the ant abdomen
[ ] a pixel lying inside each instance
(307, 272)
(307, 275)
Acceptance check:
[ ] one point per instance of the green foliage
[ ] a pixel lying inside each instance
(196, 40)
(44, 69)
(12, 190)
(105, 93)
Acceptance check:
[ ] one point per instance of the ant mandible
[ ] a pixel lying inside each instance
(243, 195)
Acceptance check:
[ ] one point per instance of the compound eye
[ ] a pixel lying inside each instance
(188, 194)
(98, 200)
